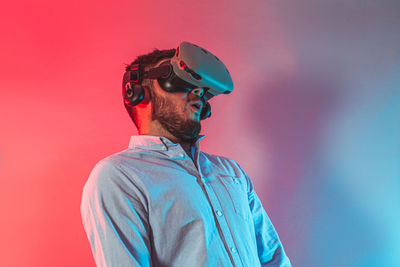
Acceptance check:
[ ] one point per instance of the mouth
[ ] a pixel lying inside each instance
(195, 110)
(196, 105)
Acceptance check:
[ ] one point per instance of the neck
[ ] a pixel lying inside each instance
(186, 147)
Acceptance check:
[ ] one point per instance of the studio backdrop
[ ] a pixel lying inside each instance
(313, 118)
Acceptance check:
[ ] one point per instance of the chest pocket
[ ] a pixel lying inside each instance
(236, 189)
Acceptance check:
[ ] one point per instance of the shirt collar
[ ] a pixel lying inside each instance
(157, 142)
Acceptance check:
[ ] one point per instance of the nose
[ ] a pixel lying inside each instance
(198, 91)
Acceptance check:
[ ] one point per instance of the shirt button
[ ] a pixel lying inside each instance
(219, 213)
(181, 155)
(236, 181)
(233, 250)
(163, 148)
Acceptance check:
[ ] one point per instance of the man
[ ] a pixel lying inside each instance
(162, 201)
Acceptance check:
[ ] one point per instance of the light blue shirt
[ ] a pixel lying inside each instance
(153, 205)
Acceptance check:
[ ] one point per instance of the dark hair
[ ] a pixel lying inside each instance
(146, 60)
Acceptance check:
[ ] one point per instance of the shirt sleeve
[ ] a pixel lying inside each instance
(115, 218)
(269, 247)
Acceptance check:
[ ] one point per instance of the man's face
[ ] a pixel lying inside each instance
(176, 113)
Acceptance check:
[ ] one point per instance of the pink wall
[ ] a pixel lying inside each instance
(313, 118)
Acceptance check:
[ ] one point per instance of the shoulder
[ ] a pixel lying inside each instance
(111, 187)
(117, 165)
(114, 174)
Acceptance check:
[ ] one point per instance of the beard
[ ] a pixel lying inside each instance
(174, 120)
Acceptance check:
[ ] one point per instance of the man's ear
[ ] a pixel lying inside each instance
(148, 95)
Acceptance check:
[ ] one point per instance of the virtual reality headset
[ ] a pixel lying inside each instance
(190, 67)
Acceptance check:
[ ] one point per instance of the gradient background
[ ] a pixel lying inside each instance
(313, 120)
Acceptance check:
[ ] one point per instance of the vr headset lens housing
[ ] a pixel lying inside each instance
(201, 68)
(170, 82)
(191, 67)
